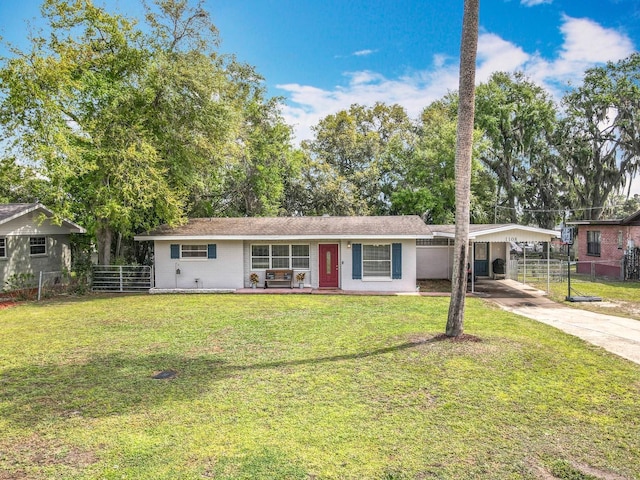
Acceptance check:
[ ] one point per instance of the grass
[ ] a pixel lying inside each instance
(618, 298)
(305, 387)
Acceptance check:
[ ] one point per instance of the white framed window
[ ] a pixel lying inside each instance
(260, 257)
(376, 260)
(37, 245)
(193, 251)
(280, 256)
(300, 257)
(3, 247)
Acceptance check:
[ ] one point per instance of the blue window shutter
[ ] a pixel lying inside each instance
(175, 250)
(356, 261)
(396, 259)
(212, 250)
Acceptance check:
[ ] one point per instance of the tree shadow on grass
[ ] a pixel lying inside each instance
(114, 384)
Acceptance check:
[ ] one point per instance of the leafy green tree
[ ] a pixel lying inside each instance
(518, 120)
(597, 142)
(20, 183)
(258, 164)
(316, 188)
(133, 128)
(364, 145)
(621, 206)
(427, 185)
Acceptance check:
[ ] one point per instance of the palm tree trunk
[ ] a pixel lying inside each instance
(464, 146)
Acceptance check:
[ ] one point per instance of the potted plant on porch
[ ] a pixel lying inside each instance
(300, 279)
(254, 279)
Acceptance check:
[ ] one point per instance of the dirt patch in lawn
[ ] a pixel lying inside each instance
(435, 286)
(38, 452)
(6, 303)
(464, 338)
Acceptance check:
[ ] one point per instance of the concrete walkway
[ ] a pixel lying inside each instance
(618, 335)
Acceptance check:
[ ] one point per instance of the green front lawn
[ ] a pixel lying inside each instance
(305, 387)
(618, 298)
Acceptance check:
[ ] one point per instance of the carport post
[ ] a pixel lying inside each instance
(473, 267)
(548, 266)
(524, 259)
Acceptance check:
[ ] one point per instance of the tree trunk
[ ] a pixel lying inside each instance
(104, 236)
(464, 146)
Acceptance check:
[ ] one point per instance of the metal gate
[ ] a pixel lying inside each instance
(536, 270)
(121, 278)
(632, 264)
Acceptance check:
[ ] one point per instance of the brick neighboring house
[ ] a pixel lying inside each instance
(602, 244)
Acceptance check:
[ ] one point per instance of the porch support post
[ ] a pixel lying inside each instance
(548, 265)
(473, 267)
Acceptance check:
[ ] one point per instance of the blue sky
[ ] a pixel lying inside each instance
(324, 55)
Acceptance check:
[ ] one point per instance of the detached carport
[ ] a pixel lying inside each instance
(487, 243)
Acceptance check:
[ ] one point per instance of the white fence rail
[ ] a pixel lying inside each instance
(121, 278)
(536, 270)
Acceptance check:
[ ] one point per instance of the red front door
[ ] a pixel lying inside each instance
(328, 266)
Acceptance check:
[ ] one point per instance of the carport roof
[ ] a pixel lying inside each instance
(505, 232)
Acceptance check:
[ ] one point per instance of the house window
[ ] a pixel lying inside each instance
(432, 242)
(280, 256)
(38, 245)
(376, 260)
(3, 247)
(260, 256)
(300, 256)
(593, 243)
(194, 251)
(619, 240)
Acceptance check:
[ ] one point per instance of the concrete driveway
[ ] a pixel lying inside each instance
(616, 334)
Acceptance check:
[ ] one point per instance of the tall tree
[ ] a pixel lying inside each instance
(464, 147)
(518, 120)
(598, 139)
(364, 145)
(20, 183)
(127, 126)
(427, 178)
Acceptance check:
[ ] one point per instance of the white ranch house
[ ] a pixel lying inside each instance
(382, 254)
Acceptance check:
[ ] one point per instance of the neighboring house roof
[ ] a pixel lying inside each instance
(478, 231)
(11, 211)
(633, 219)
(410, 226)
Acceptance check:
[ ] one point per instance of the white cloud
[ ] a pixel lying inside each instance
(533, 3)
(363, 53)
(586, 43)
(497, 55)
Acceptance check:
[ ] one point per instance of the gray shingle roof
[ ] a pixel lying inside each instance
(385, 226)
(10, 210)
